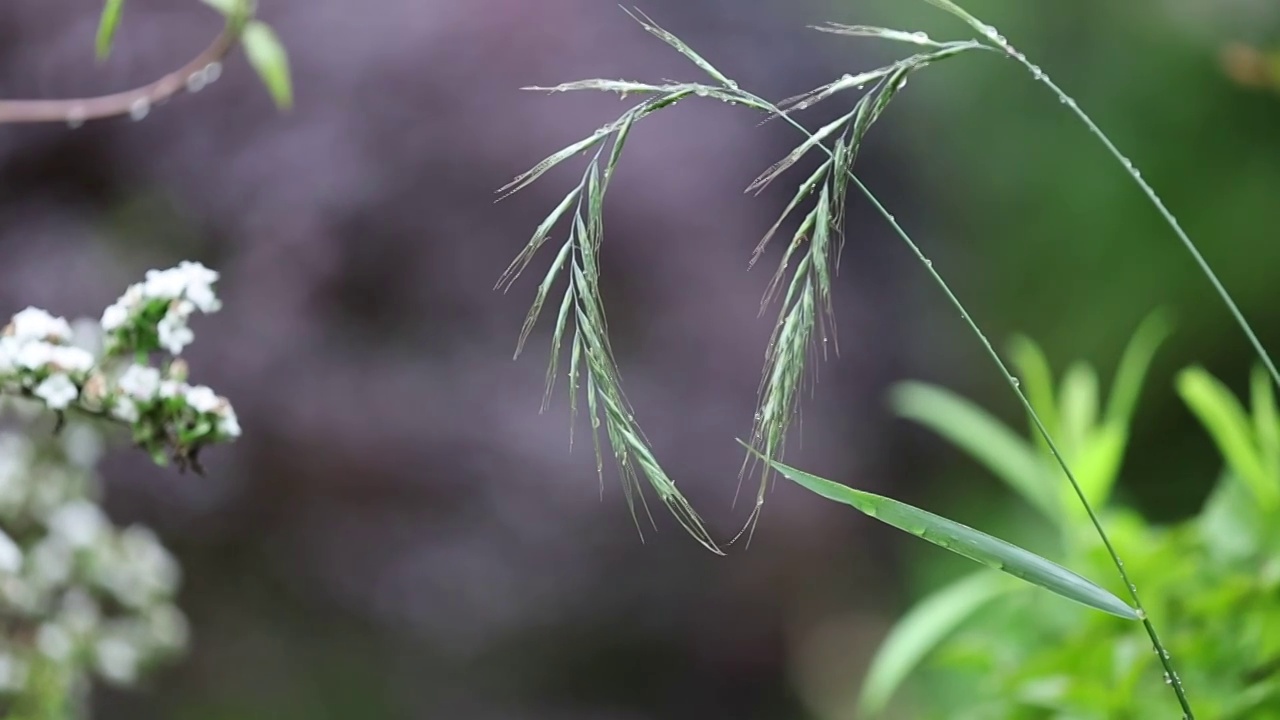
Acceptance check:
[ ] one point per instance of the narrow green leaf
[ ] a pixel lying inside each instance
(1225, 420)
(544, 289)
(268, 57)
(975, 431)
(914, 38)
(540, 236)
(810, 142)
(1078, 406)
(1266, 421)
(107, 25)
(528, 177)
(1134, 364)
(679, 45)
(226, 7)
(847, 82)
(622, 87)
(966, 542)
(1097, 466)
(923, 628)
(1036, 378)
(806, 188)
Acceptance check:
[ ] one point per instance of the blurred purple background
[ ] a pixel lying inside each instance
(400, 533)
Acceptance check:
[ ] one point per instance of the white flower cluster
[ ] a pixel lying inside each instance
(79, 595)
(174, 294)
(40, 358)
(36, 346)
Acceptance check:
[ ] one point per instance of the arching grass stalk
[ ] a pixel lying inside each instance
(1171, 675)
(990, 34)
(807, 295)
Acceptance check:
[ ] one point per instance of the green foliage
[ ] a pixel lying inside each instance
(268, 57)
(1212, 580)
(107, 25)
(965, 542)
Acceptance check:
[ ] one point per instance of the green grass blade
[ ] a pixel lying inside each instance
(540, 236)
(270, 60)
(679, 45)
(794, 156)
(1226, 422)
(530, 176)
(107, 24)
(1266, 421)
(914, 38)
(1078, 406)
(1097, 466)
(1002, 44)
(975, 431)
(1134, 364)
(967, 542)
(923, 628)
(1036, 381)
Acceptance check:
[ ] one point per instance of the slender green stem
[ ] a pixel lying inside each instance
(990, 34)
(1171, 676)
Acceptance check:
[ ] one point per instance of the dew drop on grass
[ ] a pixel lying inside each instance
(195, 81)
(139, 109)
(1014, 379)
(212, 72)
(920, 37)
(75, 118)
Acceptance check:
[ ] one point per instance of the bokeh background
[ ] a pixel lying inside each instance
(401, 534)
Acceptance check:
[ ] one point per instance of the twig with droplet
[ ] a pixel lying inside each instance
(136, 103)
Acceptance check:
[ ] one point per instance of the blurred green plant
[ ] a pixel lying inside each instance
(1214, 579)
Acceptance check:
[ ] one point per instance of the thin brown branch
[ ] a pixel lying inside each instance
(137, 101)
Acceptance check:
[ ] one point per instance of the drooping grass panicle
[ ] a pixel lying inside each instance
(806, 316)
(805, 319)
(577, 266)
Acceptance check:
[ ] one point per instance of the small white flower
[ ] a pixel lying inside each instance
(203, 399)
(54, 642)
(34, 355)
(140, 382)
(57, 391)
(13, 671)
(50, 562)
(36, 324)
(9, 354)
(204, 298)
(81, 613)
(171, 388)
(70, 358)
(168, 626)
(10, 554)
(228, 425)
(79, 522)
(173, 333)
(115, 316)
(117, 660)
(164, 284)
(125, 409)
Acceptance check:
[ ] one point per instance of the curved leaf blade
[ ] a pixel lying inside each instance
(965, 541)
(1134, 364)
(107, 25)
(1226, 422)
(268, 57)
(973, 430)
(923, 628)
